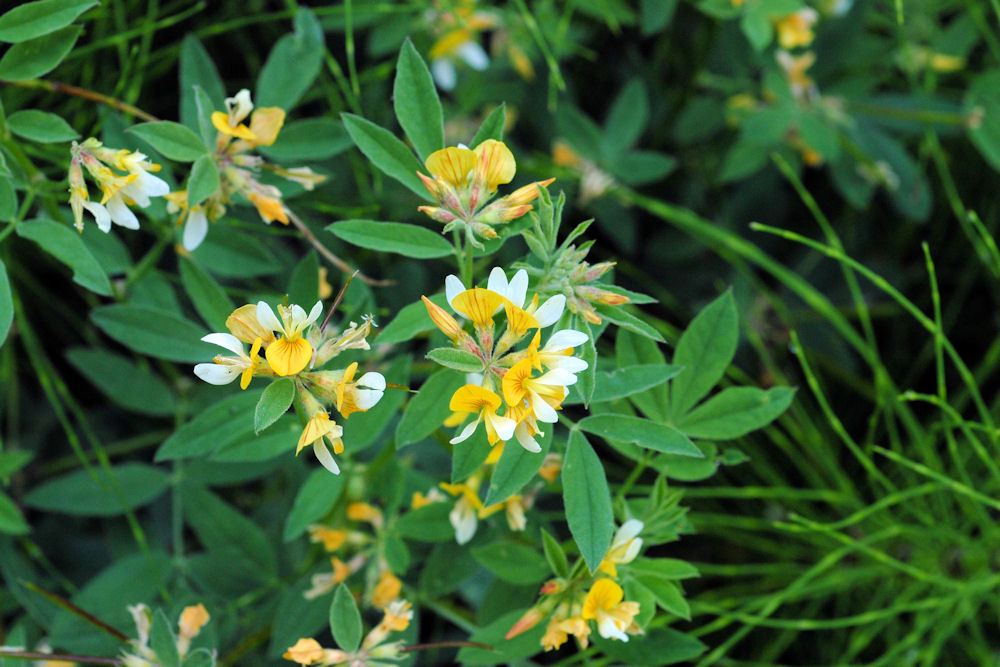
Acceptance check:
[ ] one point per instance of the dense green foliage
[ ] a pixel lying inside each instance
(772, 228)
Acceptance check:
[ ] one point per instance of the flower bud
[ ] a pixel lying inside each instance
(442, 320)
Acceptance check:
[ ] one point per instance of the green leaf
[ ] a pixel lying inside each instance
(427, 524)
(276, 440)
(626, 381)
(212, 428)
(172, 140)
(345, 620)
(34, 19)
(203, 181)
(397, 554)
(65, 245)
(657, 648)
(410, 321)
(627, 119)
(668, 594)
(364, 429)
(12, 461)
(445, 570)
(11, 520)
(134, 485)
(234, 254)
(220, 527)
(459, 360)
(642, 167)
(625, 320)
(155, 332)
(515, 468)
(687, 469)
(397, 237)
(492, 126)
(984, 95)
(468, 455)
(40, 126)
(512, 562)
(163, 642)
(668, 568)
(415, 99)
(303, 285)
(296, 616)
(133, 387)
(39, 56)
(587, 500)
(208, 298)
(736, 411)
(6, 303)
(632, 349)
(8, 199)
(503, 651)
(587, 379)
(642, 432)
(705, 350)
(197, 71)
(555, 555)
(309, 139)
(756, 26)
(313, 501)
(273, 403)
(386, 152)
(200, 657)
(428, 408)
(293, 64)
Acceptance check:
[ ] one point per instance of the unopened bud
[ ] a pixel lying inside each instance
(527, 194)
(553, 587)
(484, 231)
(442, 320)
(432, 186)
(437, 213)
(597, 270)
(529, 620)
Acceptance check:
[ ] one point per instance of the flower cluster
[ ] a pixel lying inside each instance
(463, 181)
(386, 586)
(570, 610)
(294, 346)
(373, 650)
(191, 621)
(238, 169)
(573, 277)
(124, 179)
(529, 397)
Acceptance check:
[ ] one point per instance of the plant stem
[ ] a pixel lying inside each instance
(333, 259)
(57, 87)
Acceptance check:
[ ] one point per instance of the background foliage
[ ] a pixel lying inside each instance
(857, 528)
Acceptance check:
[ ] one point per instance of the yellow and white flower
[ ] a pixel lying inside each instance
(361, 395)
(558, 351)
(604, 604)
(624, 547)
(544, 394)
(225, 369)
(320, 429)
(291, 353)
(484, 403)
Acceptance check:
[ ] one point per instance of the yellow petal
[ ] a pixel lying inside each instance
(519, 320)
(288, 357)
(265, 123)
(220, 120)
(452, 165)
(442, 320)
(495, 164)
(472, 398)
(192, 620)
(478, 305)
(513, 382)
(449, 43)
(387, 589)
(305, 652)
(318, 425)
(244, 325)
(270, 209)
(604, 594)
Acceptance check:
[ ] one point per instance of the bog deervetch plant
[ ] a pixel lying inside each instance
(545, 353)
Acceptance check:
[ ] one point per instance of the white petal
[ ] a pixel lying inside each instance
(629, 530)
(316, 311)
(452, 288)
(474, 55)
(372, 380)
(324, 456)
(497, 281)
(444, 73)
(297, 316)
(195, 229)
(150, 185)
(228, 341)
(549, 312)
(557, 376)
(563, 339)
(517, 289)
(266, 318)
(101, 215)
(466, 432)
(133, 192)
(632, 551)
(608, 627)
(523, 436)
(543, 411)
(463, 519)
(121, 214)
(474, 378)
(504, 426)
(217, 373)
(571, 364)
